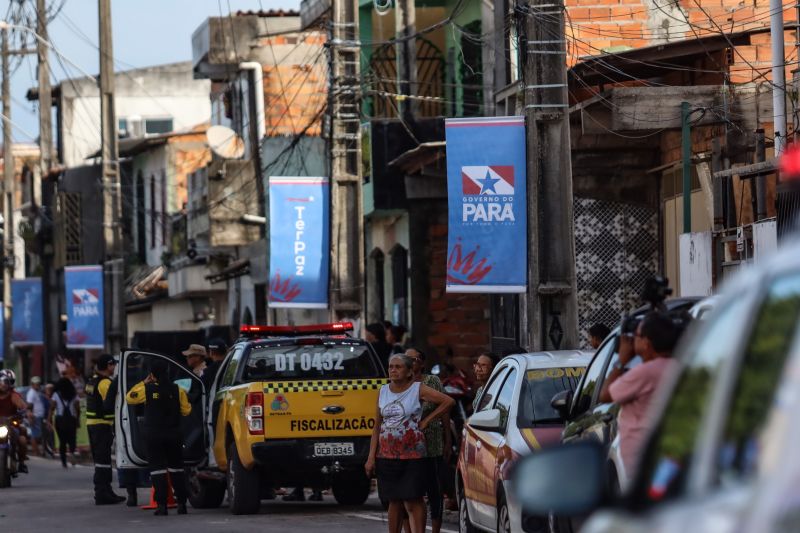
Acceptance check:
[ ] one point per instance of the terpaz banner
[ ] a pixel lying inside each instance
(299, 249)
(84, 297)
(486, 191)
(26, 312)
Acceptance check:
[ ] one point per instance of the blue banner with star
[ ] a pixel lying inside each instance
(84, 303)
(486, 193)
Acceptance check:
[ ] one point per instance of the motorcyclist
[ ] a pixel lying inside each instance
(11, 403)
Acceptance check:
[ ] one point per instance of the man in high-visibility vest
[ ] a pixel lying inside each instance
(100, 423)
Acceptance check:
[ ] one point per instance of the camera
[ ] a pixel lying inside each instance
(655, 291)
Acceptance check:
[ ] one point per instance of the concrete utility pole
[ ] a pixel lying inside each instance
(406, 52)
(778, 75)
(8, 200)
(551, 310)
(112, 205)
(347, 221)
(52, 319)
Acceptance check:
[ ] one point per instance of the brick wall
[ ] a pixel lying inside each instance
(458, 322)
(597, 26)
(295, 84)
(190, 153)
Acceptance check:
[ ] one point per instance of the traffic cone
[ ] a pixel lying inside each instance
(171, 503)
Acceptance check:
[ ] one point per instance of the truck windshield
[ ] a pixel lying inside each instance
(310, 361)
(538, 390)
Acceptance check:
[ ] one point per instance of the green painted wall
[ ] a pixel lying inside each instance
(471, 11)
(447, 38)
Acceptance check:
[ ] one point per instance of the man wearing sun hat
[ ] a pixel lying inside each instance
(196, 359)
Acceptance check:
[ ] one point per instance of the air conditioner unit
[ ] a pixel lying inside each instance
(135, 127)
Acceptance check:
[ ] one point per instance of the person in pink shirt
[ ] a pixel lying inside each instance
(633, 389)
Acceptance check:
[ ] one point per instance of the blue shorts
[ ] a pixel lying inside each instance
(36, 427)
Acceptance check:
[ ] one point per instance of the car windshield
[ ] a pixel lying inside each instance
(538, 390)
(310, 361)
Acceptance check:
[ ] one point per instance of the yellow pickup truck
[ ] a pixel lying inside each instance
(290, 406)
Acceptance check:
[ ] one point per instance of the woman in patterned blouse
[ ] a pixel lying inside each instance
(397, 451)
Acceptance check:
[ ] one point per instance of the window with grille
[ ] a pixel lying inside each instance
(68, 229)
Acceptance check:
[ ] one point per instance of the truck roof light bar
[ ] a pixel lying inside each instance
(296, 331)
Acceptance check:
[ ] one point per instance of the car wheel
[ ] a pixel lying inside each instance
(352, 488)
(243, 495)
(204, 493)
(503, 516)
(464, 523)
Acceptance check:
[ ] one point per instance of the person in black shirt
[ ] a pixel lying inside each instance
(216, 355)
(376, 336)
(164, 404)
(100, 424)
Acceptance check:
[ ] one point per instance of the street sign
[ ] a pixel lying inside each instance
(486, 190)
(299, 243)
(26, 312)
(85, 310)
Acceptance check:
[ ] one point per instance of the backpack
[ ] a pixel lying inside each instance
(66, 414)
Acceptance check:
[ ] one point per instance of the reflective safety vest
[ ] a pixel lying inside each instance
(162, 408)
(95, 410)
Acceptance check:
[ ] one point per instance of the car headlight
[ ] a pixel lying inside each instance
(3, 432)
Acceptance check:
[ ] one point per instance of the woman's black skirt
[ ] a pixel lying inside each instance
(400, 479)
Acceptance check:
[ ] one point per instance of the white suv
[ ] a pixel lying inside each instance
(722, 454)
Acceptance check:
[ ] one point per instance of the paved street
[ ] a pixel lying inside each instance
(51, 498)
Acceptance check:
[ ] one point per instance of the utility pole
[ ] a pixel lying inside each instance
(112, 205)
(686, 165)
(778, 75)
(8, 200)
(347, 221)
(50, 299)
(551, 308)
(406, 51)
(758, 185)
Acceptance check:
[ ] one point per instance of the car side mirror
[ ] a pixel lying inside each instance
(488, 420)
(566, 480)
(561, 403)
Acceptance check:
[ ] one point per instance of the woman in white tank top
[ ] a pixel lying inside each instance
(397, 450)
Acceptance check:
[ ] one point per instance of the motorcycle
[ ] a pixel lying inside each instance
(9, 431)
(456, 386)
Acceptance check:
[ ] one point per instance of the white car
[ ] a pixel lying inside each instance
(701, 310)
(513, 418)
(722, 454)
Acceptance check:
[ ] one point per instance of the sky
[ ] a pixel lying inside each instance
(146, 33)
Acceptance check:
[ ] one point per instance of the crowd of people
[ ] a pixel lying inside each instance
(412, 443)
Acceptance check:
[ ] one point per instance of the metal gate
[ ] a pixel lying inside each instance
(616, 250)
(430, 80)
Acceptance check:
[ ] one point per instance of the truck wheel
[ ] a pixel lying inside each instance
(243, 495)
(5, 470)
(204, 493)
(351, 488)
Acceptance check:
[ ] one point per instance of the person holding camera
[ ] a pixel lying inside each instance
(633, 389)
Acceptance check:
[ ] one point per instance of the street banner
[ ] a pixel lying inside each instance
(85, 310)
(486, 193)
(26, 312)
(299, 247)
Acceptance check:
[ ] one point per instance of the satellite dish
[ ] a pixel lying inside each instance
(224, 142)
